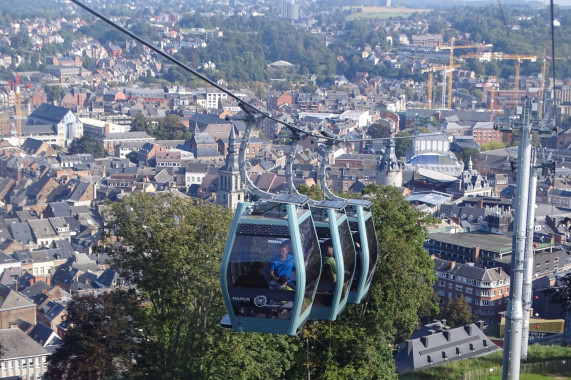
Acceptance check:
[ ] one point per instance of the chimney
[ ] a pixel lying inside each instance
(452, 264)
(409, 347)
(443, 321)
(480, 324)
(446, 335)
(424, 340)
(476, 256)
(106, 128)
(468, 329)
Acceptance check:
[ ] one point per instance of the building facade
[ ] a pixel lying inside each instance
(485, 290)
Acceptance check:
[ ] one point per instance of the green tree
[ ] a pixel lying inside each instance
(313, 191)
(133, 156)
(380, 129)
(402, 143)
(53, 94)
(141, 124)
(466, 154)
(88, 145)
(170, 127)
(492, 145)
(403, 280)
(103, 339)
(562, 295)
(409, 91)
(457, 312)
(171, 250)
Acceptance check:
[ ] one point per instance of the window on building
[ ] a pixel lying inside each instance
(485, 292)
(469, 290)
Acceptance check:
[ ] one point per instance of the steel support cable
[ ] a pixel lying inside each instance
(247, 107)
(553, 63)
(244, 105)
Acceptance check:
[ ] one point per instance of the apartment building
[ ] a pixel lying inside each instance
(486, 290)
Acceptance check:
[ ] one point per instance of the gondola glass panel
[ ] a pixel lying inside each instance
(263, 273)
(338, 260)
(365, 239)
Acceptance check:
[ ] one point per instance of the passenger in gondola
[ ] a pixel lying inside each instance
(282, 264)
(284, 283)
(329, 270)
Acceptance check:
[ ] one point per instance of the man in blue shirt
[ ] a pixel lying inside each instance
(281, 265)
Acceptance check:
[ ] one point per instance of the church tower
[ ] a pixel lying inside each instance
(390, 168)
(230, 186)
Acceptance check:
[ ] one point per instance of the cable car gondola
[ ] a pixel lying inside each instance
(271, 265)
(338, 259)
(364, 236)
(365, 239)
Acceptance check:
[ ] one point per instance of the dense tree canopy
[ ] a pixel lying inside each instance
(89, 145)
(169, 127)
(313, 191)
(103, 339)
(457, 312)
(171, 249)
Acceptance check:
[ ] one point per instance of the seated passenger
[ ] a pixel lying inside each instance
(284, 284)
(329, 270)
(282, 264)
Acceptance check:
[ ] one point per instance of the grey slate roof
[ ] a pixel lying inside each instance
(49, 113)
(21, 232)
(17, 345)
(52, 309)
(12, 299)
(6, 259)
(35, 291)
(59, 209)
(44, 335)
(441, 345)
(107, 278)
(469, 271)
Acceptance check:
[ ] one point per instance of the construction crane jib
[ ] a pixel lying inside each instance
(430, 71)
(450, 46)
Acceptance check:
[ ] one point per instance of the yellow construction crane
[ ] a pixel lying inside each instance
(430, 71)
(451, 47)
(501, 56)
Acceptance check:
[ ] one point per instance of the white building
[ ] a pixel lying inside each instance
(213, 96)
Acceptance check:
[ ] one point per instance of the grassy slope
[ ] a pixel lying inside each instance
(455, 369)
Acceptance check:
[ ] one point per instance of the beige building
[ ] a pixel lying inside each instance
(22, 357)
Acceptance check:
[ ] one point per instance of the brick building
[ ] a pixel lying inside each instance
(486, 290)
